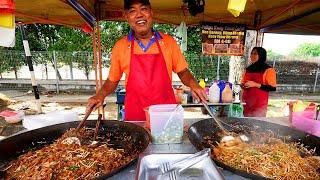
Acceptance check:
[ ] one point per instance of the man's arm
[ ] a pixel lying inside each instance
(97, 100)
(187, 79)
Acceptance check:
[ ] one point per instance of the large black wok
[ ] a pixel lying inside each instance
(198, 131)
(13, 146)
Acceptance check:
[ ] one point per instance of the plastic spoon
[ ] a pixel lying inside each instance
(170, 117)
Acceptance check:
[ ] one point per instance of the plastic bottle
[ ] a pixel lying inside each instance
(202, 83)
(227, 93)
(214, 93)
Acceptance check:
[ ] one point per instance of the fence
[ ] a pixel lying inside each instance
(298, 75)
(65, 71)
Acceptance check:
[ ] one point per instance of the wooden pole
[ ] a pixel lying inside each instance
(97, 61)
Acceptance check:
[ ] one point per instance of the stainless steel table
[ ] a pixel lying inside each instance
(209, 104)
(184, 147)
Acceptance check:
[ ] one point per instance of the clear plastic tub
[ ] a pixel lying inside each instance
(166, 122)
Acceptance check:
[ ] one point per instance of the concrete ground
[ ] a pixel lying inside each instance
(79, 101)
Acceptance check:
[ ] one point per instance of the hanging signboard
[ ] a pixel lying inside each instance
(223, 39)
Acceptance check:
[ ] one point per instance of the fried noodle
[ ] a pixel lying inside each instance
(272, 158)
(61, 160)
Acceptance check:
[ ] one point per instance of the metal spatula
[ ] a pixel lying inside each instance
(214, 117)
(242, 137)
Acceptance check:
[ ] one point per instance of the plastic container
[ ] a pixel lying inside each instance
(139, 123)
(184, 99)
(166, 123)
(121, 96)
(42, 120)
(202, 83)
(147, 124)
(12, 117)
(226, 95)
(214, 93)
(304, 121)
(122, 112)
(178, 93)
(235, 110)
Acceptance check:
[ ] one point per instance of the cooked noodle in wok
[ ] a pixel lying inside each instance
(268, 156)
(68, 159)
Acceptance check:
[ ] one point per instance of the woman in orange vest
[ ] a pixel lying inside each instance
(258, 80)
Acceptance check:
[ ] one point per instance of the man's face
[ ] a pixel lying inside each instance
(139, 17)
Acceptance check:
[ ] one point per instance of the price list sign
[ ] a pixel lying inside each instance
(223, 39)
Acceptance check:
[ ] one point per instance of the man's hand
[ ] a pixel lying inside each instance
(199, 93)
(97, 100)
(250, 84)
(94, 102)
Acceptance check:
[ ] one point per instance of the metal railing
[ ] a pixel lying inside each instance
(56, 71)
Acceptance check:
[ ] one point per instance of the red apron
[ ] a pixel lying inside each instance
(256, 99)
(148, 84)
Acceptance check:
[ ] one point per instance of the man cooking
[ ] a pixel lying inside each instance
(147, 57)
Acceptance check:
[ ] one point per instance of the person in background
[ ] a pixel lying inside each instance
(147, 58)
(259, 78)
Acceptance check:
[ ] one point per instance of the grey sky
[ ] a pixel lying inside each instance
(284, 44)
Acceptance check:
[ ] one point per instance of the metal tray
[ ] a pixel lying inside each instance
(204, 170)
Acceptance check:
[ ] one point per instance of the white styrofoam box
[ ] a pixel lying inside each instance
(55, 117)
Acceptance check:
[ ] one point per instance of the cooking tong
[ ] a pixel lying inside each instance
(82, 123)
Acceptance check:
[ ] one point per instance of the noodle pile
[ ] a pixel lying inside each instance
(68, 161)
(271, 158)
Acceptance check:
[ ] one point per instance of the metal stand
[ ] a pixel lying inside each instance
(29, 62)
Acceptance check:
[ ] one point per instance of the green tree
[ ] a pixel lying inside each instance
(111, 32)
(5, 66)
(71, 39)
(194, 40)
(75, 46)
(271, 55)
(307, 50)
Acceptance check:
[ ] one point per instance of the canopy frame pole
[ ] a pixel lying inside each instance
(90, 19)
(218, 67)
(285, 9)
(30, 65)
(316, 80)
(286, 21)
(97, 61)
(304, 27)
(43, 20)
